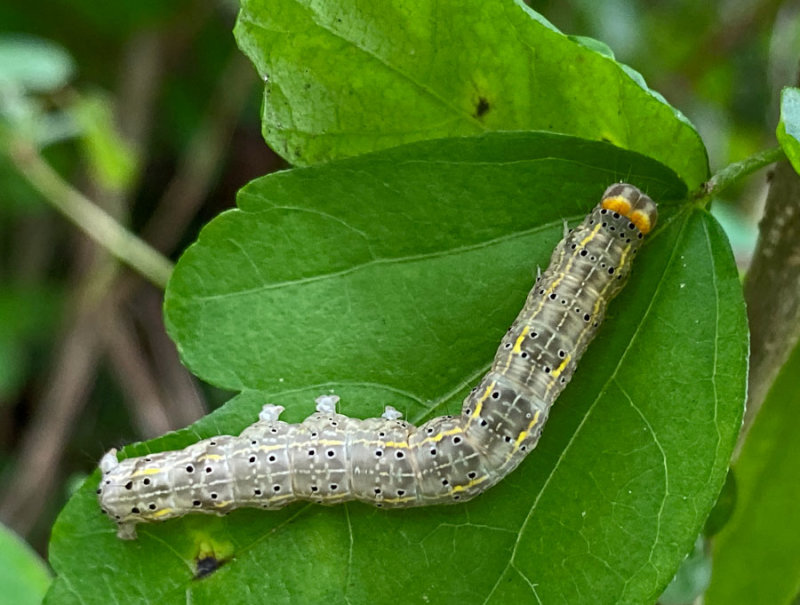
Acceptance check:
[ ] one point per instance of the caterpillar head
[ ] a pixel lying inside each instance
(631, 203)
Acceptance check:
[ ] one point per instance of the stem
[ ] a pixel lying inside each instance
(736, 171)
(772, 288)
(88, 217)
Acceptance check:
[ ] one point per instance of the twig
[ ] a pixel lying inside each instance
(772, 288)
(145, 401)
(141, 78)
(39, 455)
(200, 163)
(74, 365)
(88, 217)
(183, 400)
(45, 438)
(733, 173)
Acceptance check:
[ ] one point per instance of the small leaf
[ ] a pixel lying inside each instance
(788, 131)
(343, 78)
(33, 64)
(28, 66)
(756, 559)
(24, 577)
(111, 159)
(389, 279)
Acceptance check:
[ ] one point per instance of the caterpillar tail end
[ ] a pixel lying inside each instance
(109, 461)
(631, 203)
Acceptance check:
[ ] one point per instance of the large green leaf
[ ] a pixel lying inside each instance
(344, 77)
(24, 577)
(390, 279)
(756, 559)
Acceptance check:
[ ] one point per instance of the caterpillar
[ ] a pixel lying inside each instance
(330, 458)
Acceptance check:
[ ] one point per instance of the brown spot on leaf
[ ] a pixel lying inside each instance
(482, 107)
(205, 566)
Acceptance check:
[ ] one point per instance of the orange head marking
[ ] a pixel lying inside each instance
(631, 203)
(641, 220)
(617, 204)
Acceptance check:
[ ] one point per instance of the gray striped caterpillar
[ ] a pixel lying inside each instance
(330, 458)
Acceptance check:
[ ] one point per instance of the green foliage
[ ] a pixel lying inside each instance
(346, 77)
(788, 130)
(31, 66)
(308, 245)
(389, 278)
(24, 577)
(756, 559)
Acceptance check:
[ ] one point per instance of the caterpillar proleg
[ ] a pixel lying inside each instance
(330, 458)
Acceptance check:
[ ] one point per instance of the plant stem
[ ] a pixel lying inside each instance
(735, 172)
(88, 217)
(772, 288)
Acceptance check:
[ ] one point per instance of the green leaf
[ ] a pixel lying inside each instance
(788, 131)
(756, 559)
(24, 577)
(344, 77)
(33, 64)
(389, 279)
(111, 159)
(29, 65)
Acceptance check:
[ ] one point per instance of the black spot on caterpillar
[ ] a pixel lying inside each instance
(330, 458)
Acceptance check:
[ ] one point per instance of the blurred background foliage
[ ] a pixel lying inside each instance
(150, 110)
